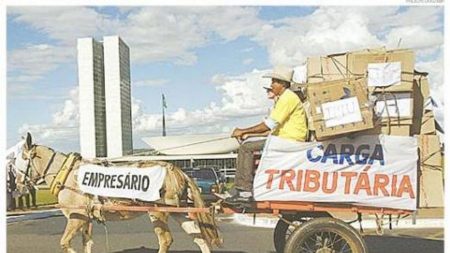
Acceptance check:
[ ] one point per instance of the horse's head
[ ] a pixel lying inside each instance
(21, 163)
(30, 162)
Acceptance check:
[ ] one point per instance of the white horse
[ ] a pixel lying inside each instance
(45, 163)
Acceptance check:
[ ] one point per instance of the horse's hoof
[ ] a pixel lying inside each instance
(69, 250)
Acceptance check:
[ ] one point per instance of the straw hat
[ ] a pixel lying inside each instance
(281, 73)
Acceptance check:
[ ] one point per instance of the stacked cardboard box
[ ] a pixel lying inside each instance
(392, 97)
(431, 174)
(428, 125)
(339, 107)
(399, 113)
(356, 64)
(431, 177)
(390, 82)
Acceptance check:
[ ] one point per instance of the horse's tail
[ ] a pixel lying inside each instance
(206, 221)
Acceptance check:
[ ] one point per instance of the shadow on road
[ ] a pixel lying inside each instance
(389, 244)
(147, 250)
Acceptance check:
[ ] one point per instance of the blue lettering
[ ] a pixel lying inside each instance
(346, 151)
(311, 158)
(347, 154)
(359, 153)
(377, 155)
(330, 153)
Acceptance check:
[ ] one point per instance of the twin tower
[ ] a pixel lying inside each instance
(104, 97)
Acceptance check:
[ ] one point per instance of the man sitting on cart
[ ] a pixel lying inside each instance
(287, 120)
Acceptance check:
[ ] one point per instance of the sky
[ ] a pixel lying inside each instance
(208, 61)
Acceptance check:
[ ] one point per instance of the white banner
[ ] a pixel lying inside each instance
(371, 170)
(121, 181)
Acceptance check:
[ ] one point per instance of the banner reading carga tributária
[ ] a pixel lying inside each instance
(370, 170)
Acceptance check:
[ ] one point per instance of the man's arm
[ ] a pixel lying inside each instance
(263, 134)
(256, 129)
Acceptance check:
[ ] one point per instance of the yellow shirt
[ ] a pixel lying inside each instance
(290, 116)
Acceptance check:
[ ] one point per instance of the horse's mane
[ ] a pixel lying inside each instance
(48, 149)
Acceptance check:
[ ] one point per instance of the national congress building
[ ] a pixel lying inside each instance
(104, 97)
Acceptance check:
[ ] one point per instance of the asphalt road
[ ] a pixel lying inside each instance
(136, 236)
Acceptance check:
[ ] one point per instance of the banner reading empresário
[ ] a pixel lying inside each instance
(370, 170)
(122, 181)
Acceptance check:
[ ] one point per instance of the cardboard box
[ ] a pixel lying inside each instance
(422, 82)
(395, 108)
(307, 107)
(339, 107)
(431, 183)
(419, 109)
(405, 108)
(355, 64)
(423, 107)
(329, 68)
(428, 125)
(431, 187)
(398, 130)
(320, 93)
(430, 150)
(358, 62)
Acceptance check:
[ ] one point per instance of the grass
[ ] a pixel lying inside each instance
(228, 186)
(44, 197)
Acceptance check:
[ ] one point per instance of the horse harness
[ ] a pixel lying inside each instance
(58, 182)
(60, 179)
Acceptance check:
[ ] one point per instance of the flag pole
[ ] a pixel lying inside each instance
(163, 116)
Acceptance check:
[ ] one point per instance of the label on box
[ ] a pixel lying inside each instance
(341, 112)
(384, 74)
(398, 105)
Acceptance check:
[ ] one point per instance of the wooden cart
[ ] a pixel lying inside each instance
(304, 227)
(310, 228)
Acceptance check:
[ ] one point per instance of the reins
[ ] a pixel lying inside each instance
(187, 145)
(41, 176)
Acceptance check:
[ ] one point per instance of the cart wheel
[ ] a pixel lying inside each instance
(283, 230)
(325, 235)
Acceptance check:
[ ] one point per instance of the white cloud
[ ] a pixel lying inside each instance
(415, 36)
(35, 61)
(435, 69)
(232, 22)
(141, 120)
(426, 16)
(172, 33)
(327, 30)
(153, 33)
(338, 29)
(62, 129)
(242, 97)
(64, 24)
(247, 61)
(69, 115)
(149, 82)
(247, 50)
